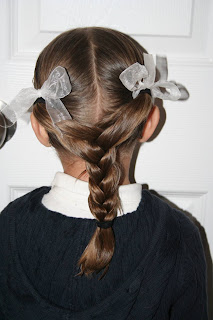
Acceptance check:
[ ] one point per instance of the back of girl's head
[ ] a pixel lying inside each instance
(106, 122)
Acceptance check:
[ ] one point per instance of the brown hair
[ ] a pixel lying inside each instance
(106, 123)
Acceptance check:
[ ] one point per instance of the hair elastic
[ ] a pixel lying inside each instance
(39, 100)
(146, 91)
(104, 224)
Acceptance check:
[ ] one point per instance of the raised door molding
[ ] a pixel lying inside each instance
(167, 32)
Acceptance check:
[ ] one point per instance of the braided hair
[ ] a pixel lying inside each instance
(106, 123)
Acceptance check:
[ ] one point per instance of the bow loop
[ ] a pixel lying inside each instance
(57, 86)
(131, 76)
(173, 94)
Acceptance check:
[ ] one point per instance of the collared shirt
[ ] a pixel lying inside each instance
(69, 196)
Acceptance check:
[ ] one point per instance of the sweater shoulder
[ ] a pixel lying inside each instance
(188, 285)
(23, 200)
(18, 208)
(161, 208)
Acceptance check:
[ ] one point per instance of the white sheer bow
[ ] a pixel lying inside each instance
(57, 86)
(132, 77)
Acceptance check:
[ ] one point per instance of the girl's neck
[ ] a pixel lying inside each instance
(75, 168)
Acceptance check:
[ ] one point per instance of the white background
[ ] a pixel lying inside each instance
(178, 163)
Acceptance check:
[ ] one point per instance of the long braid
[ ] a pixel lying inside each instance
(104, 202)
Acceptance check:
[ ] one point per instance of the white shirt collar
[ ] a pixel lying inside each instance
(69, 196)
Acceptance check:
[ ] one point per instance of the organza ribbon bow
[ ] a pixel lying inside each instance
(132, 77)
(57, 86)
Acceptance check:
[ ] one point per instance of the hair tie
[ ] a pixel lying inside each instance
(146, 91)
(39, 100)
(104, 224)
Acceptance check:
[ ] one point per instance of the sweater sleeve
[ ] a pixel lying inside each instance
(191, 301)
(3, 259)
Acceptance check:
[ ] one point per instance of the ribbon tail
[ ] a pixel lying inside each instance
(162, 66)
(57, 111)
(150, 66)
(19, 105)
(135, 93)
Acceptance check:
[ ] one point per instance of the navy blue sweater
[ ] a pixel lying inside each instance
(158, 270)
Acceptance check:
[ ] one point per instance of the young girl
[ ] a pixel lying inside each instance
(94, 246)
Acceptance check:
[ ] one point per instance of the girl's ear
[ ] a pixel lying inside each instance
(151, 124)
(40, 132)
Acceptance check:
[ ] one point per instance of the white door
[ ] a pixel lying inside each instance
(178, 163)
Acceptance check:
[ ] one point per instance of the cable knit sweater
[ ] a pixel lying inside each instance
(158, 270)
